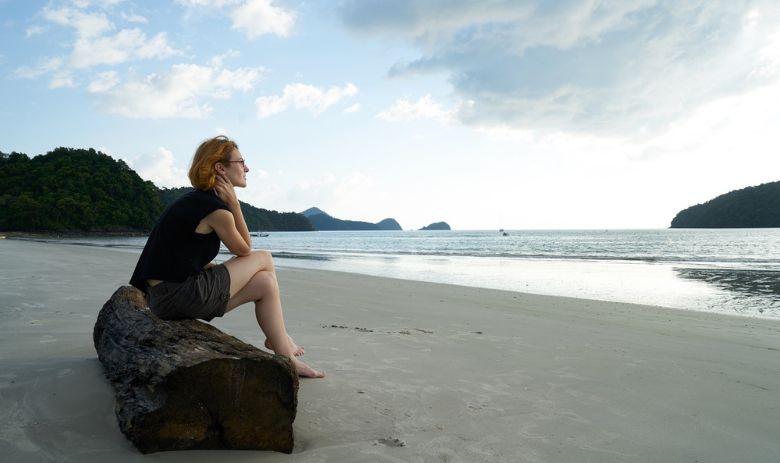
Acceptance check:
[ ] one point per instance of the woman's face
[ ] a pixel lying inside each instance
(236, 169)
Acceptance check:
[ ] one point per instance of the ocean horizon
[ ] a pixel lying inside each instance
(731, 271)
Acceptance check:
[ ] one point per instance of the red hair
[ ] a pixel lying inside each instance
(202, 174)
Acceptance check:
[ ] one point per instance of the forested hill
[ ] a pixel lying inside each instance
(256, 218)
(83, 190)
(74, 190)
(751, 207)
(321, 220)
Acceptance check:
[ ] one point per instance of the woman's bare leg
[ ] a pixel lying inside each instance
(243, 268)
(296, 349)
(253, 279)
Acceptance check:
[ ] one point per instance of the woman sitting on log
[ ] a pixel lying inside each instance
(176, 271)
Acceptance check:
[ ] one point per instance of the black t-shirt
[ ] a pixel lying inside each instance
(174, 251)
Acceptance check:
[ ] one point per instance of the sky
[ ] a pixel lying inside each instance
(578, 114)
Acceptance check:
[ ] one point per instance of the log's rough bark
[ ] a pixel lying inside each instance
(187, 385)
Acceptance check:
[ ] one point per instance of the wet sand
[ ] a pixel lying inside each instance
(416, 372)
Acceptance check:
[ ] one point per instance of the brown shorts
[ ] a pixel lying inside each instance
(204, 295)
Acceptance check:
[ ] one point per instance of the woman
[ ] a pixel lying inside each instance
(175, 269)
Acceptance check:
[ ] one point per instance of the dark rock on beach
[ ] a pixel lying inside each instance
(184, 385)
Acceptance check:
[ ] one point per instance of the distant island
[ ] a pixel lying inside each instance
(84, 190)
(751, 207)
(437, 226)
(323, 221)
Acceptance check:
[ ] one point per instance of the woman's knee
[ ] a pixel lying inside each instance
(263, 283)
(264, 259)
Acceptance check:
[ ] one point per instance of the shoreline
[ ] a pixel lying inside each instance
(71, 234)
(416, 371)
(673, 285)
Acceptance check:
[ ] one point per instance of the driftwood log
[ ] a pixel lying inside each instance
(187, 385)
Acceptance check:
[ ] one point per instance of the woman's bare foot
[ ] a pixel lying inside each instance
(306, 371)
(295, 348)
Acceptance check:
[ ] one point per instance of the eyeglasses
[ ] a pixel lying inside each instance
(240, 160)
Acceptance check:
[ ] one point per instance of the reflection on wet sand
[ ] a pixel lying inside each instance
(761, 287)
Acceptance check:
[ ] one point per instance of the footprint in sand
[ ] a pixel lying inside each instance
(391, 442)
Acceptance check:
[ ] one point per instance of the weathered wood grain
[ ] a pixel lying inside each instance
(187, 385)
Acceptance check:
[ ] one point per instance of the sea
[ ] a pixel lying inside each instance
(732, 271)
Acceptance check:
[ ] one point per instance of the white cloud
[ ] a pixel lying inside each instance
(62, 79)
(352, 109)
(769, 57)
(219, 60)
(507, 133)
(86, 24)
(134, 18)
(302, 96)
(743, 125)
(119, 48)
(527, 23)
(103, 82)
(423, 108)
(183, 91)
(616, 67)
(34, 30)
(242, 79)
(725, 144)
(46, 66)
(260, 17)
(207, 3)
(254, 18)
(161, 168)
(104, 3)
(93, 46)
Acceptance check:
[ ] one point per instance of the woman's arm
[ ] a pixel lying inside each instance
(224, 223)
(230, 226)
(240, 223)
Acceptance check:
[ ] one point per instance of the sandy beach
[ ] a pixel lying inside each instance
(417, 372)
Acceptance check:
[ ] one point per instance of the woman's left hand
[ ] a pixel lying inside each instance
(225, 190)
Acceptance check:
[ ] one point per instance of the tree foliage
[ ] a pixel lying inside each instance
(751, 207)
(83, 190)
(74, 190)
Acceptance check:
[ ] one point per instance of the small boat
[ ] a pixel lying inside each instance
(259, 234)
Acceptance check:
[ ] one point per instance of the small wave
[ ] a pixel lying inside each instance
(719, 262)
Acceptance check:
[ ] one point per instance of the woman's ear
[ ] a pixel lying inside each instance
(219, 168)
